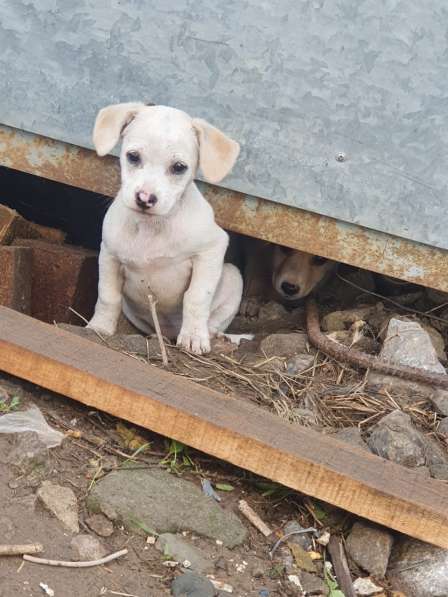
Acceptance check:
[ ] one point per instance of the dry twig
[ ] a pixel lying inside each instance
(87, 564)
(155, 319)
(253, 517)
(18, 550)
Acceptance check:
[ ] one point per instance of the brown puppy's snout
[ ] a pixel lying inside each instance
(145, 200)
(290, 289)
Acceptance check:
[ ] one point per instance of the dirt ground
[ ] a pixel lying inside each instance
(92, 448)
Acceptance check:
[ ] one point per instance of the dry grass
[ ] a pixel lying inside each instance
(327, 395)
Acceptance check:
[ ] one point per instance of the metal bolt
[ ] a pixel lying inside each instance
(341, 157)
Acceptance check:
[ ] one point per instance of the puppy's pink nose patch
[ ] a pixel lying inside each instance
(143, 195)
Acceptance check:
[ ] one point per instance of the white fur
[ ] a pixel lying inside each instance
(174, 250)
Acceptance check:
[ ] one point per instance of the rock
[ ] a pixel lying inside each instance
(163, 503)
(418, 569)
(180, 550)
(352, 436)
(303, 416)
(406, 343)
(439, 471)
(439, 399)
(437, 341)
(369, 546)
(363, 343)
(100, 525)
(299, 363)
(284, 345)
(304, 539)
(27, 450)
(60, 501)
(192, 585)
(394, 438)
(311, 584)
(87, 547)
(365, 586)
(443, 426)
(272, 311)
(342, 320)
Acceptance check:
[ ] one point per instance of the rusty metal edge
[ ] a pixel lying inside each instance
(293, 227)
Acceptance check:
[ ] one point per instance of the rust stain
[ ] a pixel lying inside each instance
(237, 212)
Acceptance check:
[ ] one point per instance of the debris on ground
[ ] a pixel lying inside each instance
(190, 537)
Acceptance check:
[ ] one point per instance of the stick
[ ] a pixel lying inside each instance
(155, 319)
(18, 550)
(341, 568)
(253, 517)
(89, 564)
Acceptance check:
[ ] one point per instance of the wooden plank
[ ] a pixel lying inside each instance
(224, 427)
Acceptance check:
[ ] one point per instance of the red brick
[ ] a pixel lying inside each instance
(15, 278)
(63, 276)
(8, 220)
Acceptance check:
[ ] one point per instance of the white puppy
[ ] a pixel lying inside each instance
(159, 234)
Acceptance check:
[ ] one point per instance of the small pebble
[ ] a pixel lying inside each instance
(192, 585)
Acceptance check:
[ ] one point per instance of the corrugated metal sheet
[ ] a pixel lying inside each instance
(348, 243)
(341, 107)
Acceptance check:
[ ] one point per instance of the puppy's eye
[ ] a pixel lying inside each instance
(178, 168)
(317, 260)
(133, 158)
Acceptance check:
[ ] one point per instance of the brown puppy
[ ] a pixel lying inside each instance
(273, 272)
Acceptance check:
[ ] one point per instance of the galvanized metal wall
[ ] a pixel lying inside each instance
(341, 107)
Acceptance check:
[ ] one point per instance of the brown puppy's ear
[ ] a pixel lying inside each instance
(217, 152)
(110, 123)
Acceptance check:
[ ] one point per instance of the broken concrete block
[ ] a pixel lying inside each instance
(15, 278)
(63, 276)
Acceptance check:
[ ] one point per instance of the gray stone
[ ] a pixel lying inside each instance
(304, 539)
(299, 363)
(439, 471)
(406, 343)
(365, 586)
(60, 501)
(192, 585)
(27, 450)
(437, 341)
(87, 547)
(100, 525)
(352, 436)
(443, 426)
(284, 345)
(163, 503)
(369, 547)
(177, 548)
(439, 399)
(394, 438)
(418, 569)
(311, 584)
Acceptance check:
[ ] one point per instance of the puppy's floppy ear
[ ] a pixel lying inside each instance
(217, 152)
(109, 124)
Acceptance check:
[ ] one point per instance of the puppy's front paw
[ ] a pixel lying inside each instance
(102, 326)
(196, 342)
(250, 306)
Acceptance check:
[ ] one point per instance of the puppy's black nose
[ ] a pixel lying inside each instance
(290, 289)
(144, 201)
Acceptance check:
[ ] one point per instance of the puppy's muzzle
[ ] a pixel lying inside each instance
(145, 200)
(290, 289)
